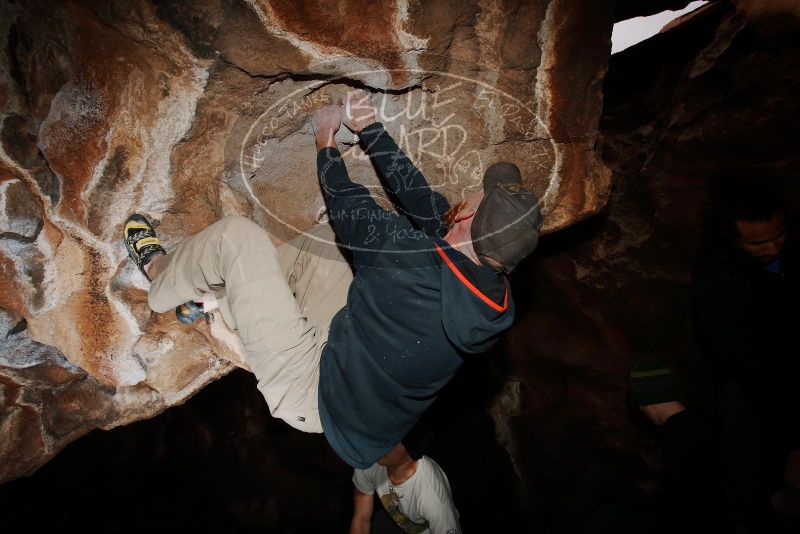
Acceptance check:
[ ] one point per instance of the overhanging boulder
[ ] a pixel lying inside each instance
(190, 111)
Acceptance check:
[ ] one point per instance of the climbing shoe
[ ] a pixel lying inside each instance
(189, 312)
(141, 241)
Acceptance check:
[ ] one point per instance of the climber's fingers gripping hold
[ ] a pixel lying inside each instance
(326, 119)
(326, 122)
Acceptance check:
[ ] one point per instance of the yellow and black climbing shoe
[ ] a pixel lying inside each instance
(190, 311)
(141, 241)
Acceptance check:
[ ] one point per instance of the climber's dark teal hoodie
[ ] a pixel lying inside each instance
(414, 307)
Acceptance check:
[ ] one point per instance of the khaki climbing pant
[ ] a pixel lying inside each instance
(281, 301)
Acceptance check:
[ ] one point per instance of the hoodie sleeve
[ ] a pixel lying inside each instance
(404, 181)
(357, 219)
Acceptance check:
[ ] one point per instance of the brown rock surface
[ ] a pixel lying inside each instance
(189, 111)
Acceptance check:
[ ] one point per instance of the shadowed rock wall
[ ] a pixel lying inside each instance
(716, 93)
(190, 111)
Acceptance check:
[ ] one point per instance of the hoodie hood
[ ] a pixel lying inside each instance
(476, 305)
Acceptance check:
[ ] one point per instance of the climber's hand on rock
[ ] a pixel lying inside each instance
(326, 122)
(357, 111)
(326, 118)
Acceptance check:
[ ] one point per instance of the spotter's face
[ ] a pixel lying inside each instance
(763, 240)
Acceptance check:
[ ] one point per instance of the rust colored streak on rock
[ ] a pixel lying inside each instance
(24, 432)
(365, 29)
(10, 296)
(580, 60)
(10, 391)
(74, 142)
(584, 188)
(113, 83)
(71, 409)
(96, 321)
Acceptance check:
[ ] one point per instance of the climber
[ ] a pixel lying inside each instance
(429, 286)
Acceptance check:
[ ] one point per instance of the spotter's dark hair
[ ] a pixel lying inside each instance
(744, 200)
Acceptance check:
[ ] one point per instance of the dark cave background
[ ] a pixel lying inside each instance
(221, 463)
(710, 95)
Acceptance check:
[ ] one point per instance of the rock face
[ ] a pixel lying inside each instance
(190, 111)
